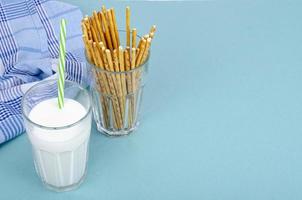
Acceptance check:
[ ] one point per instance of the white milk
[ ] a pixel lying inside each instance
(60, 154)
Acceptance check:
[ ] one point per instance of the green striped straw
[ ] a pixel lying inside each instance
(61, 80)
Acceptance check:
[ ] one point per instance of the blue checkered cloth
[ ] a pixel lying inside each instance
(29, 48)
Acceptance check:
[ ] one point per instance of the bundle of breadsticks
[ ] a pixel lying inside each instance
(115, 66)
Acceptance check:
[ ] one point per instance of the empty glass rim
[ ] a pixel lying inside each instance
(51, 127)
(123, 72)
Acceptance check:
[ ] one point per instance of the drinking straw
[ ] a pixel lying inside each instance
(61, 81)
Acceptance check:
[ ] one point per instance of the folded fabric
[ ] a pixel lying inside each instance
(29, 48)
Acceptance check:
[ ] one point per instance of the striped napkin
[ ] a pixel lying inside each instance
(29, 48)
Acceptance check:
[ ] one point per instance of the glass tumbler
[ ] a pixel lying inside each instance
(60, 153)
(117, 95)
(117, 98)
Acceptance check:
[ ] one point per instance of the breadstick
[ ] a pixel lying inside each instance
(139, 46)
(122, 69)
(123, 80)
(93, 31)
(90, 44)
(88, 54)
(120, 95)
(115, 27)
(87, 25)
(112, 89)
(133, 73)
(152, 31)
(121, 58)
(100, 79)
(104, 9)
(128, 26)
(107, 33)
(105, 82)
(128, 83)
(111, 28)
(115, 84)
(127, 59)
(99, 27)
(146, 51)
(141, 53)
(109, 59)
(133, 58)
(84, 29)
(134, 38)
(98, 55)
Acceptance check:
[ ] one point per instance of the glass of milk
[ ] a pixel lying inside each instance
(59, 137)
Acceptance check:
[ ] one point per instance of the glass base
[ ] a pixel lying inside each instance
(65, 188)
(116, 133)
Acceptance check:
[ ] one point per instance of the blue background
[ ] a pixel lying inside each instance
(222, 110)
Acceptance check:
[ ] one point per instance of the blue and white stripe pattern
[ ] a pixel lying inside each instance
(29, 49)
